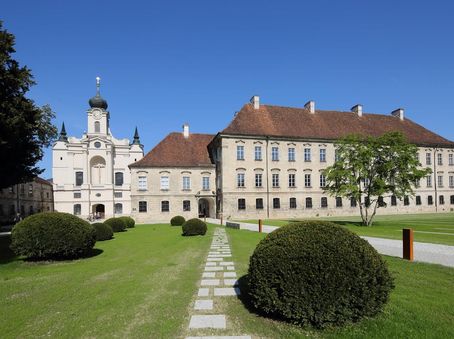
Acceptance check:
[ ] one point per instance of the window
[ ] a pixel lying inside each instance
(186, 183)
(393, 200)
(322, 180)
(338, 202)
(291, 154)
(77, 209)
(2, 213)
(31, 210)
(143, 183)
(451, 159)
(418, 200)
(12, 210)
(276, 203)
(307, 154)
(367, 201)
(241, 204)
(259, 203)
(428, 159)
(441, 199)
(118, 194)
(452, 199)
(430, 200)
(439, 159)
(308, 202)
(324, 202)
(336, 155)
(118, 178)
(291, 180)
(440, 181)
(292, 202)
(417, 183)
(165, 206)
(22, 189)
(275, 180)
(239, 152)
(142, 206)
(274, 154)
(258, 153)
(240, 179)
(30, 190)
(11, 189)
(118, 208)
(451, 181)
(97, 127)
(205, 183)
(406, 201)
(186, 205)
(165, 182)
(322, 155)
(97, 144)
(77, 195)
(307, 180)
(352, 202)
(79, 178)
(429, 181)
(381, 202)
(258, 180)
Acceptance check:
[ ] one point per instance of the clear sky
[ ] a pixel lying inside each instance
(163, 63)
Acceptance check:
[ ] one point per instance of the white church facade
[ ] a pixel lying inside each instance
(91, 177)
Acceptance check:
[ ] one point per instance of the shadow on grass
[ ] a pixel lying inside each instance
(6, 254)
(94, 252)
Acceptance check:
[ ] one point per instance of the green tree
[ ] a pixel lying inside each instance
(368, 169)
(25, 128)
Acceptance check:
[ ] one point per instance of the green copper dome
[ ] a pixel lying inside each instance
(97, 102)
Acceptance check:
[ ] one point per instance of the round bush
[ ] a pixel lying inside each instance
(177, 220)
(194, 227)
(52, 236)
(103, 231)
(117, 224)
(317, 273)
(129, 222)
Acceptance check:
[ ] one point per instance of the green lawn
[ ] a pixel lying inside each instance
(440, 226)
(140, 286)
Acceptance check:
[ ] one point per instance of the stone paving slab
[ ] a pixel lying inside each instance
(230, 268)
(211, 263)
(207, 321)
(210, 282)
(230, 282)
(203, 292)
(215, 259)
(209, 274)
(229, 274)
(226, 291)
(226, 263)
(203, 304)
(214, 268)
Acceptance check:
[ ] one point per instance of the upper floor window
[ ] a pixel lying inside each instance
(291, 180)
(205, 183)
(429, 181)
(164, 183)
(307, 154)
(258, 153)
(428, 159)
(30, 189)
(239, 152)
(451, 159)
(118, 178)
(97, 127)
(322, 154)
(307, 180)
(142, 206)
(142, 183)
(451, 181)
(291, 154)
(258, 180)
(240, 179)
(440, 181)
(292, 202)
(79, 178)
(186, 183)
(336, 155)
(322, 180)
(275, 180)
(439, 159)
(274, 153)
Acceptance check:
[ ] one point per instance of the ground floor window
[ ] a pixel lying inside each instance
(418, 200)
(441, 199)
(430, 200)
(77, 209)
(259, 203)
(118, 208)
(186, 205)
(338, 202)
(241, 204)
(352, 202)
(452, 199)
(324, 202)
(292, 202)
(393, 200)
(276, 203)
(2, 213)
(381, 202)
(31, 210)
(308, 202)
(406, 201)
(165, 206)
(142, 206)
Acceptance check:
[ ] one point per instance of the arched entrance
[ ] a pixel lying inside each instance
(98, 211)
(204, 208)
(98, 170)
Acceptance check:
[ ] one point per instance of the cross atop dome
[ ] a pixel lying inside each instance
(97, 101)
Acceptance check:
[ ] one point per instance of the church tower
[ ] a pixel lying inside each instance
(98, 116)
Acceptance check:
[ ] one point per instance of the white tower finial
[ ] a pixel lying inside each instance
(98, 84)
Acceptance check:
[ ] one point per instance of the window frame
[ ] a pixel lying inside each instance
(258, 153)
(291, 154)
(274, 153)
(276, 203)
(307, 155)
(142, 183)
(292, 203)
(275, 180)
(165, 206)
(307, 180)
(241, 204)
(292, 180)
(258, 180)
(239, 152)
(240, 180)
(143, 206)
(119, 178)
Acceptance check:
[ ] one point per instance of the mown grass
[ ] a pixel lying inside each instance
(140, 286)
(421, 306)
(440, 226)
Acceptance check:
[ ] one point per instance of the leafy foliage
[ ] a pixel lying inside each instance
(103, 231)
(194, 227)
(177, 220)
(368, 169)
(52, 235)
(117, 224)
(129, 222)
(24, 128)
(317, 273)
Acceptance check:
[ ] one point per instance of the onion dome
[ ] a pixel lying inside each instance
(97, 101)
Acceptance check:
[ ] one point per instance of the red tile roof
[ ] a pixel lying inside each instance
(176, 151)
(42, 181)
(290, 122)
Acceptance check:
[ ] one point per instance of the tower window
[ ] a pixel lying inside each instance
(97, 127)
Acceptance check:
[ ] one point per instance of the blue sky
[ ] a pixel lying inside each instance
(163, 63)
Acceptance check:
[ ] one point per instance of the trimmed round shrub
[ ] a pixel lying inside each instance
(177, 220)
(117, 224)
(129, 222)
(194, 227)
(317, 273)
(103, 231)
(53, 235)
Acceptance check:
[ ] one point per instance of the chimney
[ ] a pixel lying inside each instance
(255, 101)
(358, 109)
(186, 131)
(310, 106)
(398, 113)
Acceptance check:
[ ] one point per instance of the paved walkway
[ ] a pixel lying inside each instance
(423, 252)
(218, 281)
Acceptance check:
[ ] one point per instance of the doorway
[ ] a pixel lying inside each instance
(204, 208)
(98, 211)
